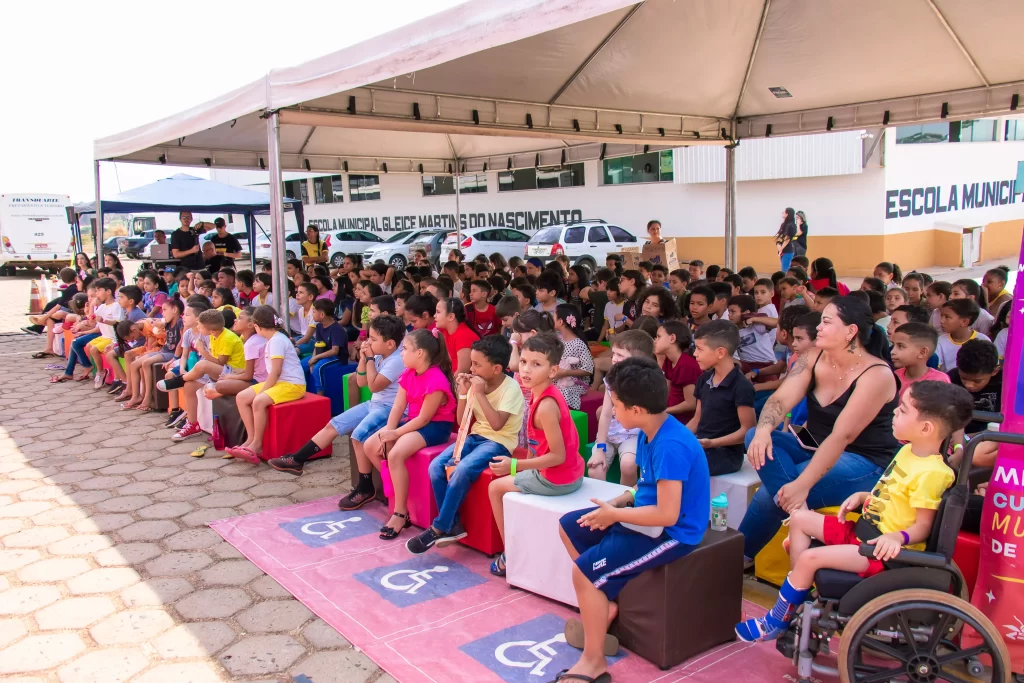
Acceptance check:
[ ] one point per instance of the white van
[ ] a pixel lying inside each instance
(34, 231)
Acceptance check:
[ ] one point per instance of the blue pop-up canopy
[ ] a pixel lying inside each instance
(183, 192)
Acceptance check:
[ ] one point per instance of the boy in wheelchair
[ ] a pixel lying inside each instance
(898, 512)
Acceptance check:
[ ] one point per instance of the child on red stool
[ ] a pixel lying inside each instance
(898, 512)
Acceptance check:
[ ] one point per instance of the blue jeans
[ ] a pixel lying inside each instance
(77, 353)
(785, 260)
(477, 454)
(850, 474)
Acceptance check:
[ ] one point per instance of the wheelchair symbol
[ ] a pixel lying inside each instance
(418, 579)
(543, 653)
(329, 528)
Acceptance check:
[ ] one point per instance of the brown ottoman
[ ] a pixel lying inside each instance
(231, 425)
(684, 608)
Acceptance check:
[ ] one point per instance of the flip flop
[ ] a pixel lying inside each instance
(244, 453)
(126, 406)
(564, 675)
(199, 452)
(574, 637)
(60, 379)
(82, 378)
(43, 354)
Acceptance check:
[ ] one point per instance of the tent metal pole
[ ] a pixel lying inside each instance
(277, 244)
(731, 247)
(98, 234)
(458, 211)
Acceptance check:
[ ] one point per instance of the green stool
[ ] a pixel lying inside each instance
(121, 361)
(364, 392)
(582, 422)
(613, 475)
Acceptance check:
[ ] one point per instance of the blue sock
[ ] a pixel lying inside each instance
(774, 624)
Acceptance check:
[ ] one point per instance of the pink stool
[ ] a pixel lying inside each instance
(110, 370)
(589, 403)
(421, 503)
(291, 425)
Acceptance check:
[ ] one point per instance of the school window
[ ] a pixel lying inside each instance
(652, 167)
(363, 188)
(295, 189)
(1014, 129)
(927, 132)
(570, 175)
(328, 190)
(444, 184)
(977, 130)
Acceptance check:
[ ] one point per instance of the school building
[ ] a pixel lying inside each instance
(943, 194)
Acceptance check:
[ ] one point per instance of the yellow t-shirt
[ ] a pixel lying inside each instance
(909, 482)
(231, 345)
(507, 398)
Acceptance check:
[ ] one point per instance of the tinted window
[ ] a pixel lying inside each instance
(547, 236)
(363, 187)
(486, 236)
(370, 237)
(620, 235)
(575, 235)
(598, 234)
(514, 236)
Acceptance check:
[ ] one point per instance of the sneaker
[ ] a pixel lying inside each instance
(454, 536)
(99, 379)
(174, 417)
(116, 387)
(170, 384)
(188, 431)
(356, 499)
(422, 543)
(287, 464)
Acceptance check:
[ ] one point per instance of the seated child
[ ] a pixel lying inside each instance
(186, 355)
(329, 341)
(140, 365)
(107, 314)
(380, 366)
(912, 345)
(979, 373)
(767, 314)
(420, 310)
(673, 495)
(302, 322)
(255, 369)
(956, 318)
(725, 398)
(481, 316)
(498, 407)
(701, 300)
(935, 297)
(756, 349)
(128, 298)
(284, 383)
(902, 315)
(554, 467)
(898, 512)
(673, 343)
(613, 440)
(507, 309)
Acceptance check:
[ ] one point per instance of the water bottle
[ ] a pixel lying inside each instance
(218, 434)
(720, 512)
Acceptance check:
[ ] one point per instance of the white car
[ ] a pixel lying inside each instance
(486, 241)
(395, 249)
(339, 244)
(586, 242)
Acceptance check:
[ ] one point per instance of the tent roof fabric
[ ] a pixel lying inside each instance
(521, 83)
(183, 192)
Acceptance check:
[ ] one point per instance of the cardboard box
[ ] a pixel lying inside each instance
(665, 253)
(630, 259)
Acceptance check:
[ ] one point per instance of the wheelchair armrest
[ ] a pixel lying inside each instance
(982, 416)
(914, 557)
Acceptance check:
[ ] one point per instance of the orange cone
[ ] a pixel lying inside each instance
(35, 299)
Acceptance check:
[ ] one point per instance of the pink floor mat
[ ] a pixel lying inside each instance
(441, 617)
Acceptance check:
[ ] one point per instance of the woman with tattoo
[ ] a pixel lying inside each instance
(851, 395)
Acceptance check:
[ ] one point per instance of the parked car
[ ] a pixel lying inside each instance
(344, 242)
(586, 242)
(395, 250)
(430, 243)
(110, 244)
(475, 241)
(133, 245)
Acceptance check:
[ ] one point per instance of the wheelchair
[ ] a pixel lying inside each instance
(904, 623)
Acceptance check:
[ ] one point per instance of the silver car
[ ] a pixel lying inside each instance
(395, 249)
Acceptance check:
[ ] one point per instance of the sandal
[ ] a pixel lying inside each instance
(199, 452)
(564, 675)
(43, 354)
(574, 638)
(498, 566)
(388, 533)
(60, 379)
(84, 377)
(355, 500)
(244, 453)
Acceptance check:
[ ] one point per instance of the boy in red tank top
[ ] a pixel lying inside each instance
(554, 467)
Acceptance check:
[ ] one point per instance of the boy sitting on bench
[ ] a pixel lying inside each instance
(898, 512)
(671, 504)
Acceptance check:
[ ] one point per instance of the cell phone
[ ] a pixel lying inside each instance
(804, 437)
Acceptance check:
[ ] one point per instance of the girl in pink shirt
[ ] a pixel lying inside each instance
(427, 389)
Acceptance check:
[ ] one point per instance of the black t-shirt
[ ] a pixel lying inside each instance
(67, 294)
(215, 263)
(988, 399)
(632, 307)
(789, 232)
(719, 415)
(183, 240)
(598, 300)
(227, 244)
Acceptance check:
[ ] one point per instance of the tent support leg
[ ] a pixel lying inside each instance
(98, 235)
(731, 242)
(458, 211)
(277, 245)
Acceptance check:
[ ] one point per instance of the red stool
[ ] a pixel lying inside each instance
(421, 503)
(591, 401)
(290, 425)
(966, 555)
(478, 519)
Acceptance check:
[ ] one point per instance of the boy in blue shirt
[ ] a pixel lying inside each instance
(329, 338)
(672, 501)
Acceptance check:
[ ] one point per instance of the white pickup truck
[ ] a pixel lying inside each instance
(34, 231)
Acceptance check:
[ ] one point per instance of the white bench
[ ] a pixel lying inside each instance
(739, 488)
(537, 559)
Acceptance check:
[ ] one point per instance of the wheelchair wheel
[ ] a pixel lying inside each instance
(906, 636)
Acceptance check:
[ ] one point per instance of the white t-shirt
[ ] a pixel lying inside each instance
(254, 348)
(300, 322)
(111, 311)
(1000, 341)
(755, 345)
(611, 310)
(769, 311)
(947, 350)
(279, 346)
(984, 322)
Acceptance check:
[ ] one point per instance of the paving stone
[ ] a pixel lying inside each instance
(104, 666)
(305, 495)
(84, 544)
(230, 573)
(157, 473)
(101, 523)
(148, 531)
(65, 478)
(172, 460)
(131, 626)
(124, 504)
(274, 616)
(43, 493)
(140, 456)
(102, 483)
(205, 516)
(180, 493)
(192, 539)
(199, 639)
(40, 652)
(178, 564)
(142, 488)
(74, 613)
(232, 483)
(83, 498)
(341, 666)
(154, 592)
(123, 468)
(27, 508)
(11, 630)
(193, 478)
(225, 499)
(56, 569)
(225, 551)
(213, 603)
(261, 655)
(87, 465)
(103, 580)
(36, 537)
(127, 553)
(26, 599)
(185, 672)
(164, 511)
(203, 464)
(60, 516)
(17, 486)
(123, 440)
(15, 559)
(10, 526)
(275, 488)
(267, 587)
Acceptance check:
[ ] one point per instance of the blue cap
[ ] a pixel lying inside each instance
(536, 262)
(169, 269)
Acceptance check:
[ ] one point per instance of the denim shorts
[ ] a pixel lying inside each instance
(436, 433)
(374, 421)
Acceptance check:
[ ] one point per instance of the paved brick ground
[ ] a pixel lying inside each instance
(108, 571)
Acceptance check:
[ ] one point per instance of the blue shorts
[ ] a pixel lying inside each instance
(436, 433)
(610, 558)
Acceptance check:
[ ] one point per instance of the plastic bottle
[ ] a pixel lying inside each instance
(720, 512)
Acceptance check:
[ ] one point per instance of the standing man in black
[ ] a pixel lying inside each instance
(185, 244)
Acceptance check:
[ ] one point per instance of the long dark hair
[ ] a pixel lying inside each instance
(88, 261)
(790, 220)
(571, 317)
(822, 268)
(854, 311)
(433, 343)
(532, 320)
(456, 307)
(314, 228)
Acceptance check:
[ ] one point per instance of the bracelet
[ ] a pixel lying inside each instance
(514, 461)
(757, 371)
(789, 415)
(513, 342)
(906, 538)
(463, 397)
(361, 374)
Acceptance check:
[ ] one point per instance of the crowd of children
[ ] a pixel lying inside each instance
(498, 353)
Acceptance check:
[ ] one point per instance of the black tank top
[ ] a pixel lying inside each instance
(875, 442)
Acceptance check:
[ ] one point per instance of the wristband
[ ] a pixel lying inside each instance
(789, 415)
(906, 538)
(463, 397)
(513, 342)
(757, 371)
(361, 374)
(513, 472)
(603, 447)
(633, 491)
